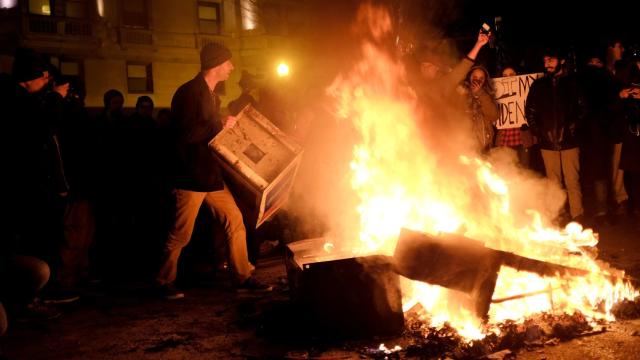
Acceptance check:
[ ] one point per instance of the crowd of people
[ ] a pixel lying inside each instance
(582, 123)
(90, 195)
(108, 196)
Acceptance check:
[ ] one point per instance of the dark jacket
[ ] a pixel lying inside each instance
(195, 121)
(554, 111)
(597, 88)
(31, 155)
(77, 146)
(630, 117)
(32, 173)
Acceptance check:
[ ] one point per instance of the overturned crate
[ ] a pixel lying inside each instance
(260, 164)
(342, 296)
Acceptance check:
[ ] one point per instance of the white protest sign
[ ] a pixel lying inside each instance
(511, 95)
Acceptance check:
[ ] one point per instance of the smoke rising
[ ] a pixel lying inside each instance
(421, 130)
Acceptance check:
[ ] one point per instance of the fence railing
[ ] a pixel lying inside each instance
(48, 25)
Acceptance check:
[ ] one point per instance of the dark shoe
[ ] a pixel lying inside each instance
(253, 285)
(168, 292)
(37, 311)
(618, 212)
(59, 296)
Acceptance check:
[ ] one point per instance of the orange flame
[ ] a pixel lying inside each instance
(401, 183)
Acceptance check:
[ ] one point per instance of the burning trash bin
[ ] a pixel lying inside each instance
(342, 295)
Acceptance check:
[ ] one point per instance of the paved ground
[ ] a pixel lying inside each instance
(214, 322)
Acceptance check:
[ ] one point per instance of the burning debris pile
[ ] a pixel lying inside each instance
(503, 341)
(462, 243)
(358, 297)
(516, 265)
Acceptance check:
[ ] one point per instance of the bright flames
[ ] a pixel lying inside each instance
(401, 183)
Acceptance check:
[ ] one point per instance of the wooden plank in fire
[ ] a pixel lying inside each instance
(451, 261)
(542, 268)
(466, 265)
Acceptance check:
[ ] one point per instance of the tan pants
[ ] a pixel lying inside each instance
(225, 210)
(617, 176)
(567, 163)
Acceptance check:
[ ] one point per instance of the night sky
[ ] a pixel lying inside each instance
(527, 27)
(534, 24)
(568, 20)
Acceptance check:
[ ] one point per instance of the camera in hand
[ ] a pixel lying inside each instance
(485, 29)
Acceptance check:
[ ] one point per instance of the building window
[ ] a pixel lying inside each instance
(249, 14)
(40, 7)
(209, 17)
(135, 13)
(76, 9)
(70, 68)
(139, 78)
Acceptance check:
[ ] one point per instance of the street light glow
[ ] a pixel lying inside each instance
(283, 69)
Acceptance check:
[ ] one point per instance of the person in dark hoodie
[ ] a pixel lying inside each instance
(145, 167)
(197, 176)
(112, 196)
(74, 132)
(554, 112)
(34, 184)
(598, 88)
(627, 108)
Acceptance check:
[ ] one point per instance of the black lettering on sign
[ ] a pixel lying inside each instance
(504, 114)
(511, 95)
(520, 113)
(506, 88)
(512, 114)
(525, 83)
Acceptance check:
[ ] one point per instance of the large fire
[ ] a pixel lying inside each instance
(404, 182)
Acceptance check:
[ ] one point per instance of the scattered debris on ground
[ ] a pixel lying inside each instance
(627, 309)
(422, 341)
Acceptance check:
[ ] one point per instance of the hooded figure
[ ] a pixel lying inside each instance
(481, 105)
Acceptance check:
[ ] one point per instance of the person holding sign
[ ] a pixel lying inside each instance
(516, 138)
(554, 111)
